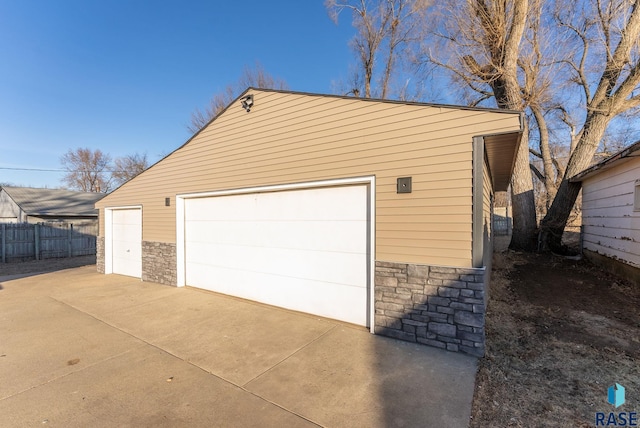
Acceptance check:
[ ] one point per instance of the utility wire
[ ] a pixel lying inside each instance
(58, 170)
(32, 169)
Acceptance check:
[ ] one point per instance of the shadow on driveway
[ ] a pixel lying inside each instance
(36, 267)
(107, 350)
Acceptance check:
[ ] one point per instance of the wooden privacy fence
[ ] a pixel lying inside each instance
(25, 241)
(502, 221)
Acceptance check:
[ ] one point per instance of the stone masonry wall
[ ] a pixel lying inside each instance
(159, 262)
(437, 306)
(100, 254)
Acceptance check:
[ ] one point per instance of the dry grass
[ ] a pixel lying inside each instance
(559, 333)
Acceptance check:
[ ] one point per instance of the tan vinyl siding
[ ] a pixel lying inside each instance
(611, 226)
(290, 138)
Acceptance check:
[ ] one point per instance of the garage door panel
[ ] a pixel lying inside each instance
(333, 267)
(127, 232)
(301, 249)
(123, 266)
(127, 217)
(126, 249)
(323, 266)
(295, 205)
(310, 296)
(283, 234)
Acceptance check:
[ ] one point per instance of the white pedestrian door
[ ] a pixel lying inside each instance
(127, 242)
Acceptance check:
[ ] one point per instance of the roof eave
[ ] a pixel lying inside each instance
(501, 151)
(628, 152)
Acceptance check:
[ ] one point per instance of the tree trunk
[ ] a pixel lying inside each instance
(523, 201)
(553, 224)
(547, 163)
(525, 227)
(505, 51)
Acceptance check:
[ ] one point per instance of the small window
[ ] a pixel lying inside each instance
(636, 197)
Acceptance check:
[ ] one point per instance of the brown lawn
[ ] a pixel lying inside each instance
(559, 333)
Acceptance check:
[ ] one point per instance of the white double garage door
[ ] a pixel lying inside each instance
(303, 249)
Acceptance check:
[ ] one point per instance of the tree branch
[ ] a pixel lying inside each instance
(537, 172)
(481, 99)
(535, 153)
(514, 35)
(558, 167)
(632, 102)
(617, 61)
(581, 78)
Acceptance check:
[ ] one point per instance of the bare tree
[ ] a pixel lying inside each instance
(87, 170)
(480, 43)
(385, 29)
(592, 45)
(604, 61)
(255, 77)
(535, 64)
(127, 167)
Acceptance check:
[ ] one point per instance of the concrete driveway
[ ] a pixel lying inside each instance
(78, 348)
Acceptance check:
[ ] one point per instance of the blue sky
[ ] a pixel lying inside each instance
(124, 76)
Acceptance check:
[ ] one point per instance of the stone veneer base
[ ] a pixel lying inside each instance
(100, 254)
(159, 263)
(433, 305)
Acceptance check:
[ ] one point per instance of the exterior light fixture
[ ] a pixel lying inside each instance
(404, 185)
(247, 102)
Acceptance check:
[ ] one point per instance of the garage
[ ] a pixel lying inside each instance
(126, 241)
(301, 249)
(373, 212)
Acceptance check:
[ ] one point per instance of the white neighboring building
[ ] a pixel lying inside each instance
(611, 212)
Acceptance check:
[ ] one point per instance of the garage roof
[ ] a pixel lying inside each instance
(54, 202)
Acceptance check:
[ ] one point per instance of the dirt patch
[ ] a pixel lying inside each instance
(48, 265)
(586, 305)
(559, 333)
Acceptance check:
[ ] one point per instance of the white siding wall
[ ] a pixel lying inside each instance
(611, 226)
(10, 212)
